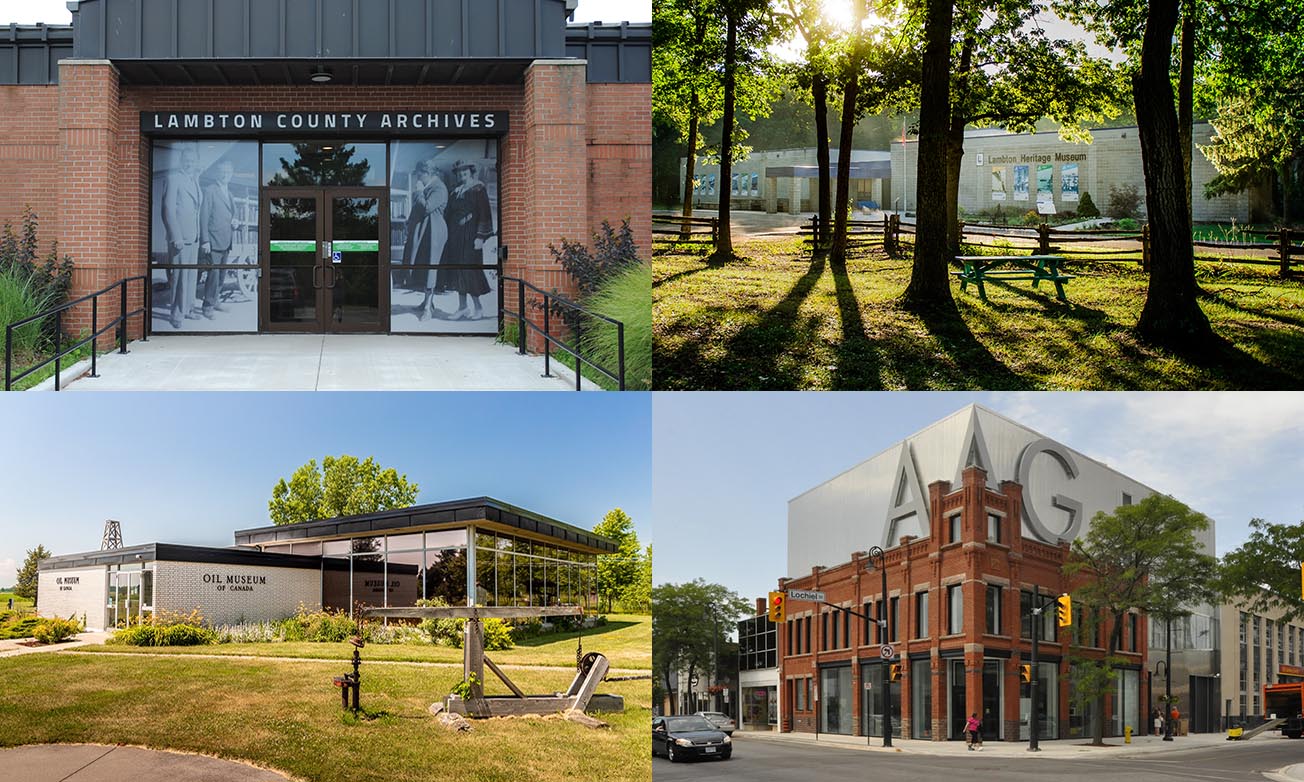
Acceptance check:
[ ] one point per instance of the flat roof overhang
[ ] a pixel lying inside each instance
(245, 72)
(485, 511)
(169, 552)
(860, 169)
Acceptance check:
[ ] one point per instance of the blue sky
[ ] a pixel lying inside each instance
(192, 468)
(725, 465)
(56, 11)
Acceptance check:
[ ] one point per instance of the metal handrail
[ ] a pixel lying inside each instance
(120, 322)
(524, 323)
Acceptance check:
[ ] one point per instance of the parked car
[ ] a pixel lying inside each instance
(721, 720)
(684, 738)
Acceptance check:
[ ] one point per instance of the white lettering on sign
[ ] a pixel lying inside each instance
(407, 121)
(806, 594)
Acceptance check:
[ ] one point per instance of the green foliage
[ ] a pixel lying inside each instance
(616, 572)
(27, 580)
(28, 285)
(497, 635)
(1087, 207)
(448, 631)
(146, 634)
(1031, 217)
(464, 688)
(54, 630)
(320, 626)
(344, 486)
(1264, 571)
(1124, 201)
(613, 252)
(626, 297)
(689, 622)
(1127, 224)
(16, 624)
(638, 597)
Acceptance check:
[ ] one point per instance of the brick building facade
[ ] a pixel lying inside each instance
(576, 151)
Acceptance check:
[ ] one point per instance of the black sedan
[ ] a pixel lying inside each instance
(683, 738)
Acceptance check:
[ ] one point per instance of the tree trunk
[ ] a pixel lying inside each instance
(1185, 94)
(690, 166)
(955, 152)
(1171, 316)
(820, 92)
(930, 285)
(724, 244)
(838, 250)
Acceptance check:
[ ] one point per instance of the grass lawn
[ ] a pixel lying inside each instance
(774, 320)
(287, 716)
(20, 603)
(626, 640)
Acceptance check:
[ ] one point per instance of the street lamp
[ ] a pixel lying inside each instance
(877, 554)
(1167, 667)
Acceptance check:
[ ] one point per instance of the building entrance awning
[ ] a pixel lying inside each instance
(860, 169)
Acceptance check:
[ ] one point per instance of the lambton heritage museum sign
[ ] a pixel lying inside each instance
(391, 123)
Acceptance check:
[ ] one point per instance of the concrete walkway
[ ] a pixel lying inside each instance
(1059, 748)
(98, 763)
(314, 362)
(15, 647)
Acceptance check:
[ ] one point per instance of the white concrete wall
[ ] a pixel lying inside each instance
(74, 592)
(221, 594)
(851, 512)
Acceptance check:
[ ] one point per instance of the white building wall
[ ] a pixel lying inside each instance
(231, 594)
(851, 511)
(75, 592)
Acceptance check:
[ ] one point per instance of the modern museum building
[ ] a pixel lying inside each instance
(974, 516)
(324, 165)
(468, 552)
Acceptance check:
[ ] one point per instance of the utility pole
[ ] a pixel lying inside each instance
(1034, 678)
(876, 554)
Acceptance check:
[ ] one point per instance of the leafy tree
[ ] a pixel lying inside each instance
(1143, 557)
(685, 618)
(313, 165)
(813, 76)
(617, 572)
(343, 486)
(1264, 571)
(637, 597)
(27, 581)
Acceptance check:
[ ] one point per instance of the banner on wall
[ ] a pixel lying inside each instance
(756, 184)
(1069, 182)
(999, 174)
(1044, 174)
(444, 236)
(1020, 183)
(204, 236)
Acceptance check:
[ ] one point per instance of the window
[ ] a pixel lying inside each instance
(994, 528)
(955, 529)
(1049, 626)
(892, 615)
(846, 629)
(1131, 632)
(993, 609)
(879, 634)
(868, 612)
(789, 628)
(805, 694)
(921, 614)
(955, 609)
(801, 694)
(1127, 498)
(805, 647)
(824, 631)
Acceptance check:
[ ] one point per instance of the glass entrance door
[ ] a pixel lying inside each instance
(323, 259)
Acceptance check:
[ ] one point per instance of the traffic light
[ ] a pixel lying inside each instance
(778, 607)
(894, 672)
(1065, 610)
(1025, 673)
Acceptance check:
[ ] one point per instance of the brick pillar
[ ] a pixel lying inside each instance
(87, 200)
(554, 196)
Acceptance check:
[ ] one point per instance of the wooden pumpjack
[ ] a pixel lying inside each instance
(579, 697)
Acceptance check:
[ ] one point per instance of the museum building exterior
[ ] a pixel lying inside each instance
(975, 514)
(468, 552)
(324, 165)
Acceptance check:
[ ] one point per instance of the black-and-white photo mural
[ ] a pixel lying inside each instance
(204, 236)
(444, 236)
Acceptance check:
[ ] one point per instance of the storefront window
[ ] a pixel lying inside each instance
(835, 700)
(872, 674)
(1048, 697)
(921, 700)
(309, 163)
(204, 236)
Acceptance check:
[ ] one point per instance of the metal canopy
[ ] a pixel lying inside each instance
(250, 72)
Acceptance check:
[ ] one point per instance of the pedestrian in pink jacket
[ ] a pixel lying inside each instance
(973, 734)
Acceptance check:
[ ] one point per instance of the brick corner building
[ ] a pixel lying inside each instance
(262, 163)
(975, 514)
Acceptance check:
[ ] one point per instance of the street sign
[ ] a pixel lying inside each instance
(887, 652)
(806, 594)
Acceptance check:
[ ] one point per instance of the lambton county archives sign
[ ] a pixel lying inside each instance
(291, 123)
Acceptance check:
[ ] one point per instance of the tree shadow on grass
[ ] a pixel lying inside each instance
(1239, 369)
(552, 638)
(680, 274)
(859, 365)
(976, 366)
(1232, 304)
(758, 355)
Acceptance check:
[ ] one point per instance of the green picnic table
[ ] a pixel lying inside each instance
(978, 268)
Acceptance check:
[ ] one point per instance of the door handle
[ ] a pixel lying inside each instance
(316, 278)
(331, 269)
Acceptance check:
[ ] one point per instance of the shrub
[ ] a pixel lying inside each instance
(54, 630)
(1086, 207)
(1128, 224)
(17, 625)
(613, 251)
(249, 632)
(150, 634)
(46, 282)
(320, 626)
(626, 297)
(1123, 201)
(497, 633)
(20, 298)
(1031, 217)
(394, 634)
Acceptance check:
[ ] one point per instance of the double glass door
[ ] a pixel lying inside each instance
(323, 258)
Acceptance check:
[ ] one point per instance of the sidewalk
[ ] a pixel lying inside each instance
(13, 648)
(1058, 748)
(99, 763)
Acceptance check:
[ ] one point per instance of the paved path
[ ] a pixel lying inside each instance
(314, 362)
(13, 648)
(98, 763)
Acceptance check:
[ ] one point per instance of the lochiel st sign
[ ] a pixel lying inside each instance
(806, 594)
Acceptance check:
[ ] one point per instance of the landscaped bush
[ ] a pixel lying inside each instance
(448, 632)
(1124, 201)
(29, 281)
(395, 634)
(14, 624)
(149, 634)
(627, 297)
(1087, 208)
(250, 632)
(323, 626)
(1031, 217)
(1128, 224)
(54, 630)
(21, 298)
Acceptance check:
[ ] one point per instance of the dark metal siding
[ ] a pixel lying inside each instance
(616, 52)
(31, 54)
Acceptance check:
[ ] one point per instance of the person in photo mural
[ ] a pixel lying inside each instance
(217, 224)
(181, 201)
(470, 224)
(429, 232)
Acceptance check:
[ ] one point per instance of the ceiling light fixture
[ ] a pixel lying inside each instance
(321, 76)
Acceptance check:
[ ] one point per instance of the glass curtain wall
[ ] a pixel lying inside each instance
(522, 572)
(394, 570)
